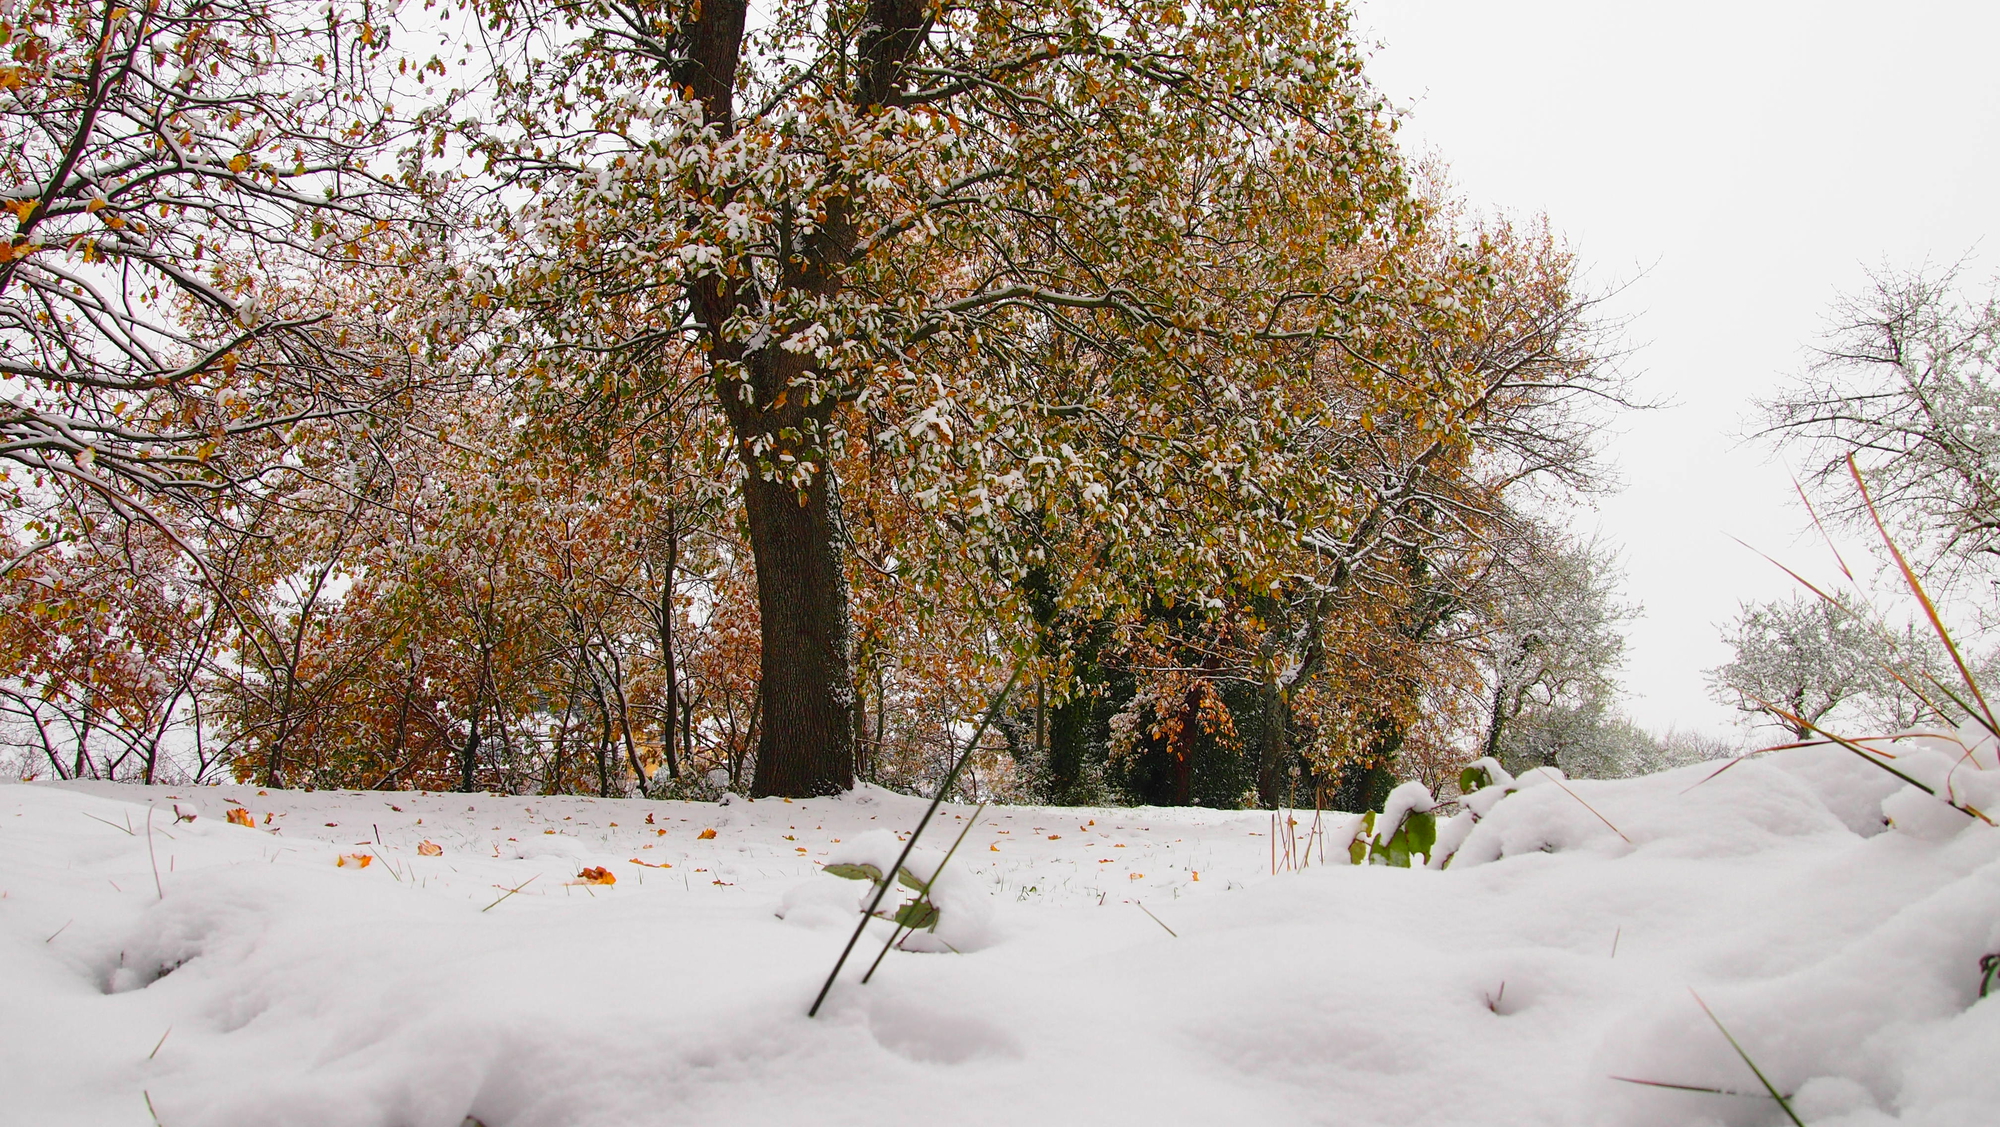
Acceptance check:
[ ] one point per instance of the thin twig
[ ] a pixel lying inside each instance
(157, 1044)
(944, 787)
(59, 931)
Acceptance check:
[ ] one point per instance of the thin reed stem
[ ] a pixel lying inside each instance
(937, 800)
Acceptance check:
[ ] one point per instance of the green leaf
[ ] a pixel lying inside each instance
(917, 915)
(1419, 832)
(909, 879)
(1472, 779)
(854, 872)
(1397, 853)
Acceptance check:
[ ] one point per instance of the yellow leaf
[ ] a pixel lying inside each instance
(239, 162)
(239, 817)
(596, 874)
(705, 835)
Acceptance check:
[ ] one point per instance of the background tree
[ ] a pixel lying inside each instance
(1805, 655)
(1908, 381)
(1554, 649)
(853, 204)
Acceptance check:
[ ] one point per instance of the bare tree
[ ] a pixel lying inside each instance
(1908, 382)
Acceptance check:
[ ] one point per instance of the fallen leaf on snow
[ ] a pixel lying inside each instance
(430, 849)
(705, 835)
(239, 817)
(596, 874)
(360, 860)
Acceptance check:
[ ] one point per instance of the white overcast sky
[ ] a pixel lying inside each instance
(1740, 164)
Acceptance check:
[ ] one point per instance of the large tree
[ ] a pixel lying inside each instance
(874, 220)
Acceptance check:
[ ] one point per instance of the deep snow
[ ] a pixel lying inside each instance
(1507, 989)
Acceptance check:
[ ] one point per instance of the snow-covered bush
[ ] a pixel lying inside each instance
(948, 905)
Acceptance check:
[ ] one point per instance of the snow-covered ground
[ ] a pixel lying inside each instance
(262, 975)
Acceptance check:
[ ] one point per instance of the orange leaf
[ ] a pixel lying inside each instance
(358, 860)
(705, 835)
(596, 874)
(239, 817)
(651, 865)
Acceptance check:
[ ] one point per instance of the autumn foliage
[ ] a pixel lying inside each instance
(640, 431)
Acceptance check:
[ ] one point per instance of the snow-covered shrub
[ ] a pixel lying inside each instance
(948, 904)
(1403, 831)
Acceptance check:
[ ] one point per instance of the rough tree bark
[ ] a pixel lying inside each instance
(806, 744)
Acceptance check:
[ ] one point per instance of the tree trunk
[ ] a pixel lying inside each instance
(1182, 750)
(667, 615)
(1497, 721)
(806, 745)
(469, 758)
(1273, 741)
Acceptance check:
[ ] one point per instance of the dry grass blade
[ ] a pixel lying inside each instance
(1734, 760)
(1691, 1088)
(510, 892)
(1784, 1101)
(1156, 919)
(1985, 711)
(1799, 579)
(1821, 528)
(1879, 759)
(1592, 809)
(126, 830)
(152, 857)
